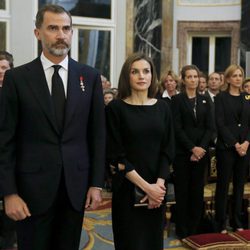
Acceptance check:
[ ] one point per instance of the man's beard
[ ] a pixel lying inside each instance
(54, 50)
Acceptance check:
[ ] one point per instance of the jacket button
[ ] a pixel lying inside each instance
(239, 125)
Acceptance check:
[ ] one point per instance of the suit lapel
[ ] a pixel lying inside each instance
(39, 87)
(211, 99)
(73, 92)
(201, 104)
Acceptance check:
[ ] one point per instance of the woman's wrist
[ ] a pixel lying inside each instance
(161, 181)
(145, 186)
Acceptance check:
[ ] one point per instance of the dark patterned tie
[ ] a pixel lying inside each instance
(58, 97)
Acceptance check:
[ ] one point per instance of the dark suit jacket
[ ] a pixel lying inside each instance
(231, 128)
(32, 152)
(209, 98)
(191, 131)
(212, 105)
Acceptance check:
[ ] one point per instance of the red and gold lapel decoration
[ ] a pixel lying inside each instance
(82, 84)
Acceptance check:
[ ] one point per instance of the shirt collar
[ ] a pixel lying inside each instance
(47, 63)
(166, 95)
(210, 93)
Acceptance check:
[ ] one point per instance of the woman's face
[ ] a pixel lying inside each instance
(140, 75)
(170, 84)
(202, 84)
(108, 97)
(191, 79)
(235, 80)
(247, 87)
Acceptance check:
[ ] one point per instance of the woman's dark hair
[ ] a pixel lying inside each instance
(247, 80)
(188, 67)
(4, 55)
(203, 75)
(108, 91)
(124, 89)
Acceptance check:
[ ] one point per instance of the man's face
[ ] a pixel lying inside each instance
(55, 34)
(214, 81)
(202, 84)
(4, 65)
(108, 97)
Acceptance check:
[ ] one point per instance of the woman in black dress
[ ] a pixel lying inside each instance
(193, 130)
(232, 114)
(140, 149)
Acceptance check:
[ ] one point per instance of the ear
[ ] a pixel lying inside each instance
(37, 34)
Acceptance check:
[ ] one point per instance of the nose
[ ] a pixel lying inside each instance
(141, 74)
(60, 33)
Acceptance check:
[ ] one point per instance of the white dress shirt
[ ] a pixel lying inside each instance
(211, 95)
(49, 71)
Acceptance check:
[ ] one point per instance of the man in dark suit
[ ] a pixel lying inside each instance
(214, 84)
(52, 140)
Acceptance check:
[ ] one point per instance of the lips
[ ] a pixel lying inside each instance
(61, 44)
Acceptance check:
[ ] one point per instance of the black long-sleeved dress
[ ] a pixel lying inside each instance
(141, 137)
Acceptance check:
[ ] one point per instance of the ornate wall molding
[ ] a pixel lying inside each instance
(184, 28)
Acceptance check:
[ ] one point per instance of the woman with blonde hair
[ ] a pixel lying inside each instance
(168, 85)
(232, 115)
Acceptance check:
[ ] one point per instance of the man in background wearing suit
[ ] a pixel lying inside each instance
(214, 84)
(52, 140)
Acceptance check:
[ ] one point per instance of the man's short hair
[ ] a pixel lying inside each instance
(57, 9)
(4, 55)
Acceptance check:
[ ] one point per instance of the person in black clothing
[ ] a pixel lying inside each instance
(202, 86)
(246, 85)
(232, 113)
(193, 130)
(140, 149)
(7, 226)
(214, 84)
(6, 62)
(52, 139)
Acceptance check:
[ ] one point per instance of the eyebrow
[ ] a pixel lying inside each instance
(58, 26)
(142, 68)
